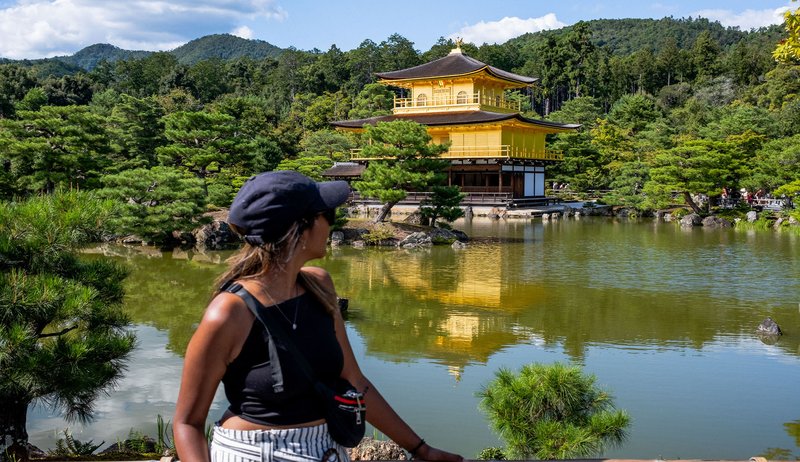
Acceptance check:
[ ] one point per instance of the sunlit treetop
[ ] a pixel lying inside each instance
(788, 50)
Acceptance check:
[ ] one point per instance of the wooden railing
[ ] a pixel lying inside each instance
(502, 151)
(770, 204)
(462, 100)
(470, 198)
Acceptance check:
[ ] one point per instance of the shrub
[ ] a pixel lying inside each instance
(341, 219)
(377, 233)
(492, 453)
(552, 412)
(69, 446)
(680, 213)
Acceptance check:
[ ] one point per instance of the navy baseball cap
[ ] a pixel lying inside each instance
(269, 203)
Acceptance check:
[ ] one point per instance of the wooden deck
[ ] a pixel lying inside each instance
(471, 199)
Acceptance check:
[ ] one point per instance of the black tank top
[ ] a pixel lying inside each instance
(248, 379)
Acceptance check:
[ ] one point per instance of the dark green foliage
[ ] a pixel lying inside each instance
(704, 55)
(90, 57)
(409, 162)
(491, 453)
(15, 82)
(204, 144)
(625, 36)
(207, 79)
(68, 90)
(223, 108)
(148, 76)
(443, 204)
(628, 183)
(324, 109)
(155, 202)
(552, 412)
(374, 100)
(70, 447)
(581, 159)
(164, 438)
(33, 100)
(62, 329)
(674, 96)
(137, 132)
(781, 87)
(54, 147)
(777, 163)
(397, 52)
(341, 219)
(694, 167)
(310, 166)
(634, 112)
(335, 145)
(362, 64)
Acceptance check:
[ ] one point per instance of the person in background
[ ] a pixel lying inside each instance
(285, 219)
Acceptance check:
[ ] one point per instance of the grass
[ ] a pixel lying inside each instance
(137, 446)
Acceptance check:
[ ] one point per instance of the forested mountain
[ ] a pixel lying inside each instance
(625, 36)
(224, 46)
(88, 57)
(221, 46)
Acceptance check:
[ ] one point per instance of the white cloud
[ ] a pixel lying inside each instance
(243, 32)
(747, 19)
(506, 28)
(44, 28)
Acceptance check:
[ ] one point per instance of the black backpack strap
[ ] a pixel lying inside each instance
(253, 304)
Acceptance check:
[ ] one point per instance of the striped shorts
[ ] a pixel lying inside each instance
(303, 444)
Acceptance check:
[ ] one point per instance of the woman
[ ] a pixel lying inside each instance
(284, 218)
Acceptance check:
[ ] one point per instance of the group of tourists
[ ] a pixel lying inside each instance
(731, 197)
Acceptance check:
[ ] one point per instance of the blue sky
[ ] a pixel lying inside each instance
(43, 28)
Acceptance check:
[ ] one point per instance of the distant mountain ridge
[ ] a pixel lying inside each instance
(222, 46)
(620, 36)
(625, 36)
(89, 57)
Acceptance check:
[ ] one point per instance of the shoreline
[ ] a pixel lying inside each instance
(392, 233)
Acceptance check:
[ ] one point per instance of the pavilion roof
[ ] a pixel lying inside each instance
(454, 64)
(344, 170)
(453, 118)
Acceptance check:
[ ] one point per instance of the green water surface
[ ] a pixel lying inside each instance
(663, 316)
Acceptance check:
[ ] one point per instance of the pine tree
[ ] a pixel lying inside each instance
(55, 147)
(155, 202)
(407, 162)
(63, 338)
(552, 412)
(443, 203)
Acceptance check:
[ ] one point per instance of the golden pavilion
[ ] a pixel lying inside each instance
(496, 154)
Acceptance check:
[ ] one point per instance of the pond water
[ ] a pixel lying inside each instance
(663, 317)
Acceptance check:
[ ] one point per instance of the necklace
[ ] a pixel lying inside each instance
(275, 305)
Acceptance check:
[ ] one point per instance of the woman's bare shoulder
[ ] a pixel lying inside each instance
(226, 309)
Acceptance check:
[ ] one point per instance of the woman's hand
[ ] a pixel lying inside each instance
(430, 453)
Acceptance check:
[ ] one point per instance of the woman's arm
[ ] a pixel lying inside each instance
(379, 413)
(217, 341)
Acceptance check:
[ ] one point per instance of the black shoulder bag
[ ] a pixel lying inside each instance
(345, 410)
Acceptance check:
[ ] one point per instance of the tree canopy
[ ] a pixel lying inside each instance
(222, 108)
(63, 337)
(405, 160)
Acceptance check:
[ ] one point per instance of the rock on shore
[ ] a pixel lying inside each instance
(371, 449)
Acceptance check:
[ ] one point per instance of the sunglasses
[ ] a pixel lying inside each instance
(330, 216)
